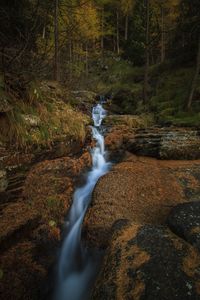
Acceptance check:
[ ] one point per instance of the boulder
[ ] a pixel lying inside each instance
(30, 227)
(184, 220)
(146, 262)
(142, 190)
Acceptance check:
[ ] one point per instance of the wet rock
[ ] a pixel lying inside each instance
(148, 262)
(3, 181)
(142, 190)
(184, 220)
(30, 228)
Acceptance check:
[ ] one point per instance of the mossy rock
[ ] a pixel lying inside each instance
(132, 121)
(147, 262)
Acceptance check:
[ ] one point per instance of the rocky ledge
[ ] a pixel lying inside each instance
(142, 190)
(15, 165)
(143, 216)
(30, 226)
(135, 135)
(147, 262)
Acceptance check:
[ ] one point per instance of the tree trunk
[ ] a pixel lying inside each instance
(86, 59)
(126, 28)
(70, 59)
(194, 82)
(162, 35)
(102, 30)
(56, 67)
(44, 32)
(114, 46)
(117, 29)
(146, 72)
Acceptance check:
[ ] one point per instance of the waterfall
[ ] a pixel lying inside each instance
(75, 266)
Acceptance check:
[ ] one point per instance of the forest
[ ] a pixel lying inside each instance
(145, 50)
(100, 149)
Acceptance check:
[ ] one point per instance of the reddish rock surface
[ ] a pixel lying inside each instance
(148, 262)
(164, 143)
(30, 228)
(142, 190)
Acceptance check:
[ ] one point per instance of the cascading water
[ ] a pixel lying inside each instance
(76, 268)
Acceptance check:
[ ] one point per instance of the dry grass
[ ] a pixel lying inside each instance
(56, 119)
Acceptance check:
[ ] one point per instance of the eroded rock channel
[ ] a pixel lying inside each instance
(143, 215)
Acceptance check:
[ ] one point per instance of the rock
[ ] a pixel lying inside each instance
(4, 103)
(166, 143)
(131, 121)
(30, 228)
(85, 96)
(3, 181)
(142, 190)
(31, 120)
(84, 100)
(17, 219)
(147, 263)
(23, 278)
(162, 143)
(50, 184)
(116, 138)
(17, 163)
(184, 220)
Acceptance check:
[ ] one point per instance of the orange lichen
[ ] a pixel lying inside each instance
(191, 262)
(142, 190)
(138, 258)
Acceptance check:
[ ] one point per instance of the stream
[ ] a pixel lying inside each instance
(76, 266)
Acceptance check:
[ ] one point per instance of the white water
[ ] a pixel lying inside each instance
(75, 268)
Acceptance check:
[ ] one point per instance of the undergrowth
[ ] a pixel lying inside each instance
(169, 87)
(40, 119)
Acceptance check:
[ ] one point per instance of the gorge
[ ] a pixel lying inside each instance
(75, 267)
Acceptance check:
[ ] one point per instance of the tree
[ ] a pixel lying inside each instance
(195, 78)
(146, 72)
(190, 26)
(127, 7)
(56, 66)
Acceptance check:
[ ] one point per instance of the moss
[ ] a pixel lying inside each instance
(131, 121)
(169, 88)
(52, 120)
(180, 118)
